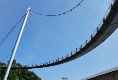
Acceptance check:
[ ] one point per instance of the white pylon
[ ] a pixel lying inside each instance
(16, 45)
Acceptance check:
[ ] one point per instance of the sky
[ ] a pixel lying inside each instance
(47, 38)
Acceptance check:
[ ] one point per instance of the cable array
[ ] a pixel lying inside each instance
(11, 30)
(8, 34)
(83, 48)
(59, 30)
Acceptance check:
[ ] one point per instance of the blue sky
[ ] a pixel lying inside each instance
(47, 38)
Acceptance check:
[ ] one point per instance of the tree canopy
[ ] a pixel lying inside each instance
(18, 74)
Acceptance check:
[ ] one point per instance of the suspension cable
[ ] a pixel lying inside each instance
(60, 13)
(11, 30)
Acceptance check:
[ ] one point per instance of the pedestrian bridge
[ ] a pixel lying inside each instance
(110, 24)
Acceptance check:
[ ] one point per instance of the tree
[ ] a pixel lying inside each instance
(18, 74)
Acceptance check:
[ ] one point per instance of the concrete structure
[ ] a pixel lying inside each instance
(111, 74)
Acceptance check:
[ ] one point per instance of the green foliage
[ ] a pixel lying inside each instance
(18, 74)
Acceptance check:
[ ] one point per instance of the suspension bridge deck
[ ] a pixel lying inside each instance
(110, 24)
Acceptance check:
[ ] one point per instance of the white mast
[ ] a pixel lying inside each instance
(16, 45)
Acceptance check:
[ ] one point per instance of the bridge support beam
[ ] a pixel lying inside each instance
(16, 45)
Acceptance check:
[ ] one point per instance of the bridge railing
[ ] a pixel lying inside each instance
(110, 6)
(99, 26)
